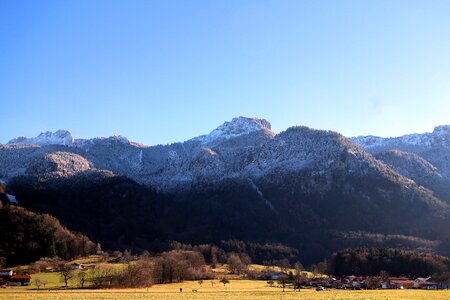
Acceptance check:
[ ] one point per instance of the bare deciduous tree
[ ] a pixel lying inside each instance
(66, 273)
(101, 277)
(282, 280)
(284, 265)
(38, 283)
(235, 264)
(82, 278)
(136, 274)
(179, 265)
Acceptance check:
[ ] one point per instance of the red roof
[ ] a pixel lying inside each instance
(20, 278)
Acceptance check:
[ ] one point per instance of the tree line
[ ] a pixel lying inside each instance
(396, 262)
(143, 271)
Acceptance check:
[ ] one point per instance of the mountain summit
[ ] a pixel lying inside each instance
(236, 127)
(60, 137)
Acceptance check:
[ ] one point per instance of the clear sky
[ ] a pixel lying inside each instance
(166, 71)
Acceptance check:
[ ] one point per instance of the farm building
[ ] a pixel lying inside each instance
(19, 280)
(7, 273)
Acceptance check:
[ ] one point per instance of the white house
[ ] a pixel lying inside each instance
(7, 273)
(76, 266)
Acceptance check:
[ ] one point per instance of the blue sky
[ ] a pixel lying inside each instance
(166, 71)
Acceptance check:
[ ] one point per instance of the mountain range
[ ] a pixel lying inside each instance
(316, 191)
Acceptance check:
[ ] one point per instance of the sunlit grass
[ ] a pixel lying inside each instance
(236, 290)
(208, 289)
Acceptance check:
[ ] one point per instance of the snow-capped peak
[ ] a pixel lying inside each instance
(60, 137)
(441, 130)
(236, 127)
(439, 137)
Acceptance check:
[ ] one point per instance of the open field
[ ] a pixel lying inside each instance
(236, 290)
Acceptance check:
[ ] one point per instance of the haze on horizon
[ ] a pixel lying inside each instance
(166, 71)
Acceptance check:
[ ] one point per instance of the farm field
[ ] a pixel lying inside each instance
(236, 290)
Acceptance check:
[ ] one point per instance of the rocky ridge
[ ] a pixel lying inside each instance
(242, 148)
(241, 181)
(60, 137)
(434, 147)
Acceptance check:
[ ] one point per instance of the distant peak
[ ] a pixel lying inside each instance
(60, 137)
(236, 127)
(439, 137)
(442, 129)
(244, 124)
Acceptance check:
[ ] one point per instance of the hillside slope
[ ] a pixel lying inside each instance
(27, 236)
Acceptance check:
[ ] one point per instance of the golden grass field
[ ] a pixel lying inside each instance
(236, 290)
(210, 289)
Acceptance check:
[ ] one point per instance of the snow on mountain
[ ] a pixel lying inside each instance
(243, 147)
(236, 127)
(59, 164)
(60, 137)
(434, 146)
(441, 135)
(12, 199)
(86, 143)
(438, 138)
(409, 164)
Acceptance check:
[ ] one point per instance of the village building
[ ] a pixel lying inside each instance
(273, 275)
(397, 283)
(19, 280)
(76, 266)
(425, 283)
(7, 273)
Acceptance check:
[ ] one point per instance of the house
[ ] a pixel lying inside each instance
(419, 282)
(19, 280)
(353, 282)
(76, 266)
(357, 284)
(7, 273)
(273, 275)
(397, 283)
(340, 284)
(425, 283)
(326, 282)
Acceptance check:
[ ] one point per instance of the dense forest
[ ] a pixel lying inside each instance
(122, 214)
(26, 236)
(397, 262)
